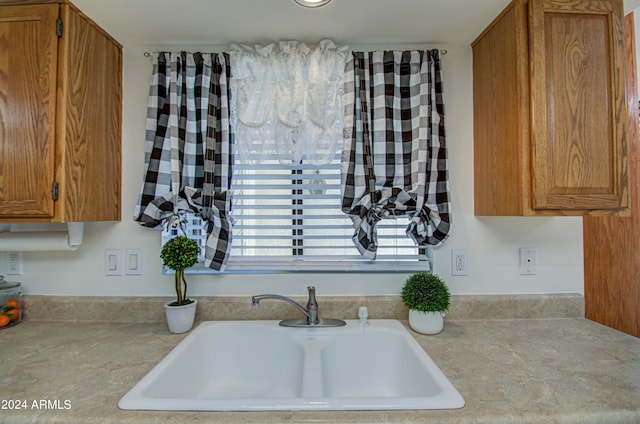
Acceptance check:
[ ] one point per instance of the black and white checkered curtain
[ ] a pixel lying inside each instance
(189, 155)
(394, 155)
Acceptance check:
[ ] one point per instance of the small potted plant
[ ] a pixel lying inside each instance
(178, 254)
(427, 298)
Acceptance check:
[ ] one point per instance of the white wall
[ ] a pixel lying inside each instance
(492, 242)
(631, 5)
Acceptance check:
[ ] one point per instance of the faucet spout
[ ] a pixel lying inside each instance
(256, 302)
(310, 312)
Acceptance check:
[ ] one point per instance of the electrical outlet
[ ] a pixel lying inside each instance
(459, 262)
(527, 260)
(14, 263)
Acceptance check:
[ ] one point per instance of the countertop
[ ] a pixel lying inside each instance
(553, 370)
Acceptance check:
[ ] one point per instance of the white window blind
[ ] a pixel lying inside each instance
(289, 219)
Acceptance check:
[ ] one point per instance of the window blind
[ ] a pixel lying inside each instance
(289, 218)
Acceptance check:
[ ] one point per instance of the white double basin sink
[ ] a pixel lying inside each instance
(260, 366)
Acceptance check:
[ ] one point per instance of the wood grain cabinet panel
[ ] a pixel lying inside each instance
(550, 121)
(60, 115)
(28, 66)
(612, 243)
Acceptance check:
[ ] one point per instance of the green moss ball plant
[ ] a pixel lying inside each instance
(427, 297)
(426, 292)
(178, 254)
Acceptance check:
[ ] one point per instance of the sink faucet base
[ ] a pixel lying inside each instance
(322, 322)
(311, 311)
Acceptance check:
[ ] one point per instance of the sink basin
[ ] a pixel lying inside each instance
(260, 366)
(377, 364)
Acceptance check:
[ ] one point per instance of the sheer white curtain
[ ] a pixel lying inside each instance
(287, 101)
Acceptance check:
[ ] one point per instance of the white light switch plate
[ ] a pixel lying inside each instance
(113, 262)
(133, 262)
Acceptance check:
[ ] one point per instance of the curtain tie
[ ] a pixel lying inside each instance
(373, 207)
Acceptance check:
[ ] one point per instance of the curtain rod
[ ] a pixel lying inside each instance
(442, 52)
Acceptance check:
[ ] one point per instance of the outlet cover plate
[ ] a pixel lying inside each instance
(527, 261)
(459, 262)
(14, 263)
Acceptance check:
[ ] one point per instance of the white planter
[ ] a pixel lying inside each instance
(426, 322)
(180, 318)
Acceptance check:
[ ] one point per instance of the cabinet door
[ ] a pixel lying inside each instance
(28, 64)
(612, 243)
(90, 66)
(579, 146)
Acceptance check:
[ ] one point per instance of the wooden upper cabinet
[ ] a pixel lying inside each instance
(550, 117)
(28, 66)
(60, 116)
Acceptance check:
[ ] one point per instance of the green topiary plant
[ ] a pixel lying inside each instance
(425, 292)
(178, 254)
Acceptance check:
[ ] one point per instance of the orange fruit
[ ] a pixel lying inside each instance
(13, 314)
(4, 320)
(12, 303)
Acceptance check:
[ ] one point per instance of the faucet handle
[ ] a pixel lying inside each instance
(312, 303)
(312, 306)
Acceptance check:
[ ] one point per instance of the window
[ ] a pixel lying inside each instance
(290, 219)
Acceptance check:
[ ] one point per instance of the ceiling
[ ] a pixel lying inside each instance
(215, 22)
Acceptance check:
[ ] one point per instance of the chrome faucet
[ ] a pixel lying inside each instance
(311, 311)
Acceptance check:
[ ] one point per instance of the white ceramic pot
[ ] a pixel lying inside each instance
(426, 322)
(180, 318)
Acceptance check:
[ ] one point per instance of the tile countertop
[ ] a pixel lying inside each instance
(551, 370)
